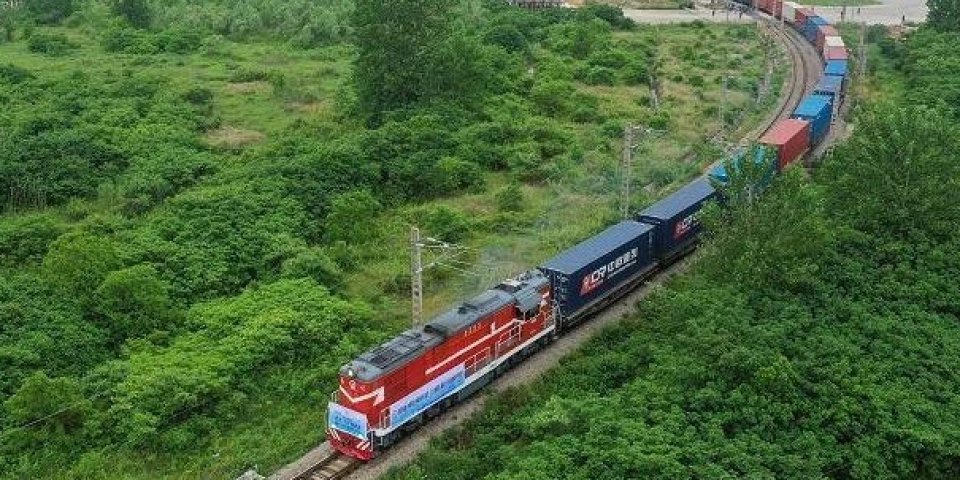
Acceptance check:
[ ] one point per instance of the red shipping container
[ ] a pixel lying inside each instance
(764, 5)
(801, 20)
(791, 138)
(823, 32)
(837, 53)
(777, 8)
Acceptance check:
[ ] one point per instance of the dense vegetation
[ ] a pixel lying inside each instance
(817, 336)
(205, 203)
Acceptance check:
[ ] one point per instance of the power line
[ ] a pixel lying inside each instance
(51, 415)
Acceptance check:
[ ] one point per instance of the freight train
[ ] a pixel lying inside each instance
(810, 123)
(394, 387)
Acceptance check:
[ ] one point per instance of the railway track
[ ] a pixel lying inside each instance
(326, 464)
(333, 466)
(799, 76)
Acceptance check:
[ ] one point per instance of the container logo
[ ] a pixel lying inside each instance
(684, 226)
(595, 279)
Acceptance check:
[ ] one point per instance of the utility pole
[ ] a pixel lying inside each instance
(723, 102)
(443, 251)
(633, 136)
(626, 171)
(416, 274)
(862, 60)
(654, 90)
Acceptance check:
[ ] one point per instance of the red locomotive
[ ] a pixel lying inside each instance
(424, 370)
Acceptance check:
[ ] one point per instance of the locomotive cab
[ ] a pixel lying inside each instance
(349, 419)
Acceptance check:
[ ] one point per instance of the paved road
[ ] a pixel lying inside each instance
(891, 12)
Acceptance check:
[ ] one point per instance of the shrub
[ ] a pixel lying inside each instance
(13, 74)
(244, 75)
(200, 96)
(179, 40)
(42, 397)
(599, 76)
(123, 39)
(452, 175)
(636, 72)
(610, 14)
(552, 97)
(510, 198)
(136, 12)
(53, 44)
(352, 218)
(26, 239)
(316, 264)
(507, 36)
(612, 58)
(51, 11)
(444, 223)
(134, 302)
(659, 121)
(612, 129)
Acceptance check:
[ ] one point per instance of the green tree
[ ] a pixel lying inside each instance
(944, 15)
(749, 171)
(316, 264)
(411, 52)
(137, 12)
(352, 217)
(78, 262)
(134, 302)
(51, 11)
(900, 176)
(50, 407)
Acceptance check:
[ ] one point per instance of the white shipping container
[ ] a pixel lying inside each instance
(830, 42)
(790, 11)
(833, 41)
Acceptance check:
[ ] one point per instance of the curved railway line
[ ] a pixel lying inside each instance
(324, 463)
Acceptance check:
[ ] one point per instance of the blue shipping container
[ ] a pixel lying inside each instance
(818, 110)
(761, 154)
(817, 20)
(719, 174)
(599, 266)
(837, 68)
(810, 31)
(676, 217)
(830, 86)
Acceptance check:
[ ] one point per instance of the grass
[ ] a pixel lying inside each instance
(261, 88)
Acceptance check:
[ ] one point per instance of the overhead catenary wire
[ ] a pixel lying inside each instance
(50, 416)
